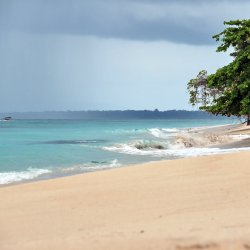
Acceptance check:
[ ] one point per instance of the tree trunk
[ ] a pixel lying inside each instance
(248, 119)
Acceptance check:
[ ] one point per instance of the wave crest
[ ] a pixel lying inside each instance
(163, 132)
(29, 174)
(170, 153)
(93, 165)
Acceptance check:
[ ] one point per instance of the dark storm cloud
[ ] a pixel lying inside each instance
(182, 21)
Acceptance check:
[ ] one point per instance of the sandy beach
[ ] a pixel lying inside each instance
(124, 125)
(192, 203)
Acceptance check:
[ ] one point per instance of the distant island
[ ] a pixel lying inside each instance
(112, 114)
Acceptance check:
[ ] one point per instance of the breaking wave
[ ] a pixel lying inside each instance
(94, 165)
(16, 176)
(163, 132)
(32, 173)
(156, 132)
(160, 151)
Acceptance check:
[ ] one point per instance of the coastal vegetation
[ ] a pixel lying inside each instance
(227, 91)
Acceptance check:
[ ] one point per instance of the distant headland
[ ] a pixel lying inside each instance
(112, 114)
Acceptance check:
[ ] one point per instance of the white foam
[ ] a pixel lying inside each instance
(29, 174)
(129, 131)
(126, 149)
(187, 152)
(112, 164)
(163, 133)
(171, 130)
(93, 166)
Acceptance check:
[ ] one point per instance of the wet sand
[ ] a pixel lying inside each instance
(193, 203)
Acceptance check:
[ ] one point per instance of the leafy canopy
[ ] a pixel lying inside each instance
(227, 91)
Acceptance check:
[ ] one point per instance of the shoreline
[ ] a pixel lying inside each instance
(215, 137)
(61, 176)
(191, 203)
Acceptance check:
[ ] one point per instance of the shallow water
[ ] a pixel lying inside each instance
(32, 149)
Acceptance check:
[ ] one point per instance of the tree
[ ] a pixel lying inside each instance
(227, 91)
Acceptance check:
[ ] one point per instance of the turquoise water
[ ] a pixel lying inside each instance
(32, 149)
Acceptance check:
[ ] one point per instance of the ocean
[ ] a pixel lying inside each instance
(41, 149)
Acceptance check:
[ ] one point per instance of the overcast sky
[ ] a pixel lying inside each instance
(108, 54)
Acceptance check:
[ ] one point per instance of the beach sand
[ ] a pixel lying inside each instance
(192, 203)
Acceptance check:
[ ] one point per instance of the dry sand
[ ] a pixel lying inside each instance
(195, 203)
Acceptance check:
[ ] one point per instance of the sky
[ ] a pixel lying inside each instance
(108, 54)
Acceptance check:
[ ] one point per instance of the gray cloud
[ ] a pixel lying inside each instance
(189, 21)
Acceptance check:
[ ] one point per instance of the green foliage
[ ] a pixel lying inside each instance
(227, 91)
